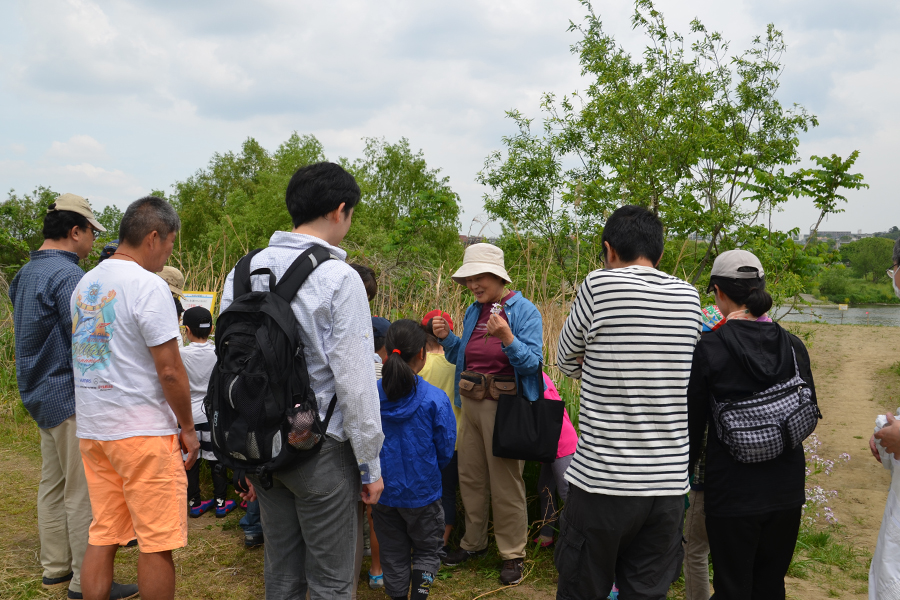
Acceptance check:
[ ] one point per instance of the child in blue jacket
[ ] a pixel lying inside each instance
(419, 437)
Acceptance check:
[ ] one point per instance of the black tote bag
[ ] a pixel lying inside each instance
(526, 429)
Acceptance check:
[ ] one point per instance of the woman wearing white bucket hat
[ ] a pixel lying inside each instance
(499, 352)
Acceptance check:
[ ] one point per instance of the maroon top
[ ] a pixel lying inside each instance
(485, 354)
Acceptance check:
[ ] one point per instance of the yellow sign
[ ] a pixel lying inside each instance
(842, 307)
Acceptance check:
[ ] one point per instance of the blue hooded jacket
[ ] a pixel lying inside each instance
(525, 353)
(419, 438)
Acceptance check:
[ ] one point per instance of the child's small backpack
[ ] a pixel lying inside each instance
(262, 410)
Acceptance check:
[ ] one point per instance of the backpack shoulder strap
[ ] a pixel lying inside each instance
(241, 283)
(299, 270)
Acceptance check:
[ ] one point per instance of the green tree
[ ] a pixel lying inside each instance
(110, 217)
(237, 202)
(21, 224)
(892, 234)
(694, 132)
(834, 283)
(869, 256)
(822, 184)
(407, 210)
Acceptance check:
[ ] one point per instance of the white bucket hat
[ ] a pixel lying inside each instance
(481, 258)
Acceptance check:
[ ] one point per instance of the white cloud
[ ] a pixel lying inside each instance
(18, 148)
(79, 147)
(165, 85)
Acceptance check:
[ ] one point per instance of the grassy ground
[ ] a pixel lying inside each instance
(831, 562)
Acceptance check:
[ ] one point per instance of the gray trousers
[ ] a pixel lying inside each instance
(309, 520)
(404, 530)
(552, 481)
(696, 550)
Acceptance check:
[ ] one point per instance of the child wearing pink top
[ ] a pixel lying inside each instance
(552, 477)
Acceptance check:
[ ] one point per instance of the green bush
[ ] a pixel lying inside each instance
(834, 284)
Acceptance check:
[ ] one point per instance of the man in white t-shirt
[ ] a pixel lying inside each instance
(131, 394)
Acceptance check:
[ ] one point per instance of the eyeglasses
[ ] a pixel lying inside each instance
(96, 232)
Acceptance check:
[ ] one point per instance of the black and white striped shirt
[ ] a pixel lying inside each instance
(636, 328)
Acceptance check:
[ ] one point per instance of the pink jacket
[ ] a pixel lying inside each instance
(568, 438)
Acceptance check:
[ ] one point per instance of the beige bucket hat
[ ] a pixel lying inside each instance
(481, 258)
(76, 204)
(174, 278)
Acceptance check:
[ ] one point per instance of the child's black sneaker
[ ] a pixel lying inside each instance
(460, 556)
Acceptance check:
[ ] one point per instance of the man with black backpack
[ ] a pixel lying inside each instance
(308, 496)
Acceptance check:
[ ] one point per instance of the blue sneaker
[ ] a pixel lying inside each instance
(198, 509)
(223, 507)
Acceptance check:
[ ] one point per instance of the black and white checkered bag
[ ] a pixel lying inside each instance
(763, 426)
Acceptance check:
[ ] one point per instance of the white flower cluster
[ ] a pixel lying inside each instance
(817, 498)
(496, 308)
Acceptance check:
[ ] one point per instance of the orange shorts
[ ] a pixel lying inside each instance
(138, 488)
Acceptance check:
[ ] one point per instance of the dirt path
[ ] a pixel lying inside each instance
(845, 362)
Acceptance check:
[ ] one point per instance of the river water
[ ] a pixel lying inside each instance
(855, 315)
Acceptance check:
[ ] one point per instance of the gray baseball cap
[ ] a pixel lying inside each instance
(737, 264)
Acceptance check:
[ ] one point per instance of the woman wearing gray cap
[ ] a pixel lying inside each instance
(752, 508)
(500, 352)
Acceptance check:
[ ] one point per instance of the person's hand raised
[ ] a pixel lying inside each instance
(440, 328)
(499, 328)
(890, 435)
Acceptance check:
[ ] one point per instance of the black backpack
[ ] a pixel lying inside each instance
(262, 410)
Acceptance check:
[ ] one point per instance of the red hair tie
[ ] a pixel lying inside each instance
(395, 351)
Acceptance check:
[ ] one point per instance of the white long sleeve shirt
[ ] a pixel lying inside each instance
(336, 329)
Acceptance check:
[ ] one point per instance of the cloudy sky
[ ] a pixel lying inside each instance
(112, 99)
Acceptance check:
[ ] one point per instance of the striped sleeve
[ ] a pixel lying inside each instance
(636, 329)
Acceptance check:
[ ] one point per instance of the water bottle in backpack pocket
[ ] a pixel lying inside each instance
(765, 425)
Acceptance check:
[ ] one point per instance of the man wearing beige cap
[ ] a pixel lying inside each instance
(40, 295)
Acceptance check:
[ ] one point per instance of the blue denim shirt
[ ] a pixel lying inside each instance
(41, 292)
(525, 354)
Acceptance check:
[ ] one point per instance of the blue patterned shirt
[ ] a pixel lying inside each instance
(40, 293)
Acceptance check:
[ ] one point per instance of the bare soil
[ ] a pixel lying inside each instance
(850, 367)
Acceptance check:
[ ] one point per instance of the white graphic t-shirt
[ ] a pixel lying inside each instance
(199, 361)
(120, 311)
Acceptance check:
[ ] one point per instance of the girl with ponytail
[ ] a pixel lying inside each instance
(419, 437)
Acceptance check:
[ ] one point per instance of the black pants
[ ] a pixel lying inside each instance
(408, 538)
(632, 540)
(220, 482)
(751, 555)
(449, 485)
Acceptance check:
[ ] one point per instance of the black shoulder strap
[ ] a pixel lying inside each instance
(299, 270)
(241, 284)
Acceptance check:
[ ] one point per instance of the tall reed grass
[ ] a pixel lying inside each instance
(410, 291)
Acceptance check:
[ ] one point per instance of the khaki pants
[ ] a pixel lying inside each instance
(696, 550)
(64, 508)
(483, 478)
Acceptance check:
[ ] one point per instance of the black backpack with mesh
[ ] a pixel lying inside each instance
(262, 411)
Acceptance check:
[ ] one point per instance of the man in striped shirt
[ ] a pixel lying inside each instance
(630, 338)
